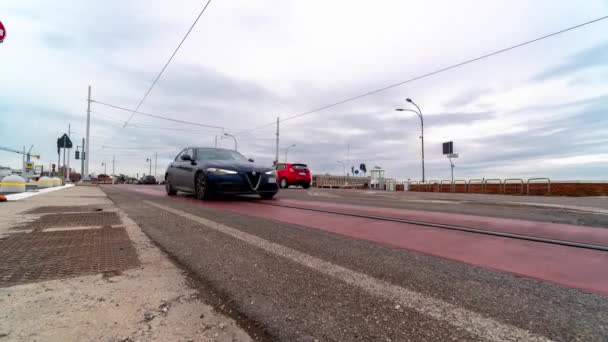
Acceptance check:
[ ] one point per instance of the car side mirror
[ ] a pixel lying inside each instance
(186, 157)
(251, 160)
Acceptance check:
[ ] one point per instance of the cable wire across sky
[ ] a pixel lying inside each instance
(167, 63)
(416, 78)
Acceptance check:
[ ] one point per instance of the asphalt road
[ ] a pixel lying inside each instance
(295, 283)
(583, 211)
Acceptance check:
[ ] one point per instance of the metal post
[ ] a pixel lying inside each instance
(82, 161)
(422, 138)
(216, 141)
(155, 163)
(87, 155)
(452, 169)
(419, 113)
(150, 159)
(23, 164)
(276, 159)
(233, 138)
(348, 156)
(421, 133)
(113, 164)
(67, 172)
(64, 163)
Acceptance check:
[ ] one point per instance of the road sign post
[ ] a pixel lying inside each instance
(448, 151)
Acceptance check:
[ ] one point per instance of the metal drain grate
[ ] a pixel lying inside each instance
(34, 257)
(75, 220)
(63, 209)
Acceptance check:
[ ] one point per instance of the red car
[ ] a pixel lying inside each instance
(293, 174)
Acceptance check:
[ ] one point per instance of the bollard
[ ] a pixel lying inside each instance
(12, 184)
(45, 182)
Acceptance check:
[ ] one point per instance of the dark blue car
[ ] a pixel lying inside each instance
(206, 172)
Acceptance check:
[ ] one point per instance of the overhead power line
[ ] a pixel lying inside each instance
(154, 127)
(134, 148)
(416, 78)
(167, 63)
(156, 116)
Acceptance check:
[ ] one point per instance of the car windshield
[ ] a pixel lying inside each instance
(217, 154)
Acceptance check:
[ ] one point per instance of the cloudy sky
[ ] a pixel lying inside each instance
(537, 111)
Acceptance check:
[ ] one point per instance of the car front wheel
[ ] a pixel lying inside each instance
(201, 188)
(169, 188)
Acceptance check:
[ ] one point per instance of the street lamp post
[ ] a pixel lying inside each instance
(419, 113)
(343, 167)
(234, 138)
(149, 160)
(105, 171)
(287, 149)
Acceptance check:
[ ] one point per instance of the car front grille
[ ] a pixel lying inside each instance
(254, 179)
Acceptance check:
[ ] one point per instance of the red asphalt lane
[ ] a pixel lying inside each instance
(573, 267)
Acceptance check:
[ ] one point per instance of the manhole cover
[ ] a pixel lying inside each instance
(27, 258)
(63, 209)
(75, 220)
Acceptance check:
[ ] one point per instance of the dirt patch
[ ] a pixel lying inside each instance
(39, 256)
(74, 220)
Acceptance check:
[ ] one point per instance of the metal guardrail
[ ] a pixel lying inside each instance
(477, 182)
(449, 182)
(541, 178)
(464, 182)
(521, 184)
(426, 185)
(483, 184)
(492, 180)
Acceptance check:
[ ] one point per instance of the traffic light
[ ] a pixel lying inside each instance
(77, 156)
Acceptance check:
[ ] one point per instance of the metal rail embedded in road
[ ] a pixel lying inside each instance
(451, 227)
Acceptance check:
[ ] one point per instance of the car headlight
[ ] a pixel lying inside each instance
(221, 171)
(270, 173)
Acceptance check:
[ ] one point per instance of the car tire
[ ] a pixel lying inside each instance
(201, 188)
(169, 188)
(267, 196)
(306, 185)
(283, 183)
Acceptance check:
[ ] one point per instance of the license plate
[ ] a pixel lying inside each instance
(272, 180)
(302, 173)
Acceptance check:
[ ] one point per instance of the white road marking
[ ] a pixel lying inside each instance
(20, 196)
(458, 317)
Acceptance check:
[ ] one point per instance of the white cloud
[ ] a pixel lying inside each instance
(248, 62)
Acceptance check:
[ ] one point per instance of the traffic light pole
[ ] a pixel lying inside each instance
(86, 148)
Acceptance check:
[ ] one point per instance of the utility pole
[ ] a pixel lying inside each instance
(87, 155)
(216, 141)
(276, 159)
(67, 172)
(82, 161)
(155, 163)
(113, 164)
(348, 154)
